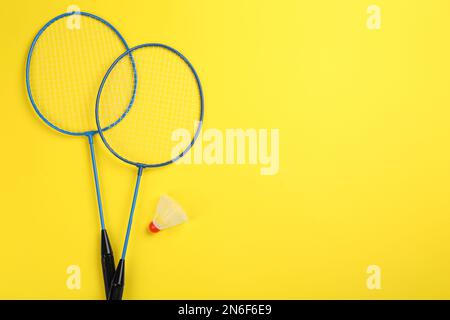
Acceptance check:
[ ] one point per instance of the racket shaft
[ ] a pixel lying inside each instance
(118, 282)
(97, 183)
(107, 256)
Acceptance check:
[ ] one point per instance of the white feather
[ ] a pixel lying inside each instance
(168, 213)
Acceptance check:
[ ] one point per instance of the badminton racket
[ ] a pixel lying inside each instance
(66, 62)
(167, 96)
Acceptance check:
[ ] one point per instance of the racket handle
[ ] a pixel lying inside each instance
(108, 265)
(118, 282)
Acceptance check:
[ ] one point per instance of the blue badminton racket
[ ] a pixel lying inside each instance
(167, 97)
(65, 65)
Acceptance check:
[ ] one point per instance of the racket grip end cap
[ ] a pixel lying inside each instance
(108, 264)
(118, 282)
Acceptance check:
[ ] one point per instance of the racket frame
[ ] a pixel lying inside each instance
(117, 285)
(106, 250)
(29, 58)
(97, 104)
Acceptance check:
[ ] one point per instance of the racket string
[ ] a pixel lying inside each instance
(66, 68)
(167, 98)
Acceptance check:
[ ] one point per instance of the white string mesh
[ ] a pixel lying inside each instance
(66, 68)
(167, 99)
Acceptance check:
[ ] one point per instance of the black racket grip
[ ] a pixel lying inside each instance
(108, 265)
(118, 282)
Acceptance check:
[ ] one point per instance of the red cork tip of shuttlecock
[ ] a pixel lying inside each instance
(153, 228)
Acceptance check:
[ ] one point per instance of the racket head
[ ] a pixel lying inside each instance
(158, 67)
(51, 69)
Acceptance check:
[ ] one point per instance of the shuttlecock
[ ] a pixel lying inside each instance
(168, 214)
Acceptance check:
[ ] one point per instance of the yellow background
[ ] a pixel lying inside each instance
(364, 158)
